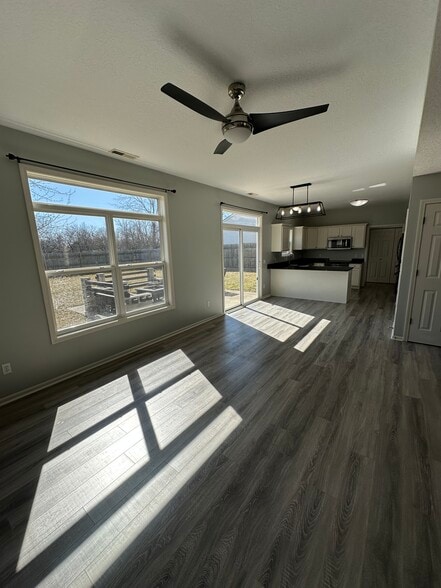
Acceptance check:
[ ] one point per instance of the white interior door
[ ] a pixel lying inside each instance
(381, 255)
(425, 324)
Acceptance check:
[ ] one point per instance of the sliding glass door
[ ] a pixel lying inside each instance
(241, 258)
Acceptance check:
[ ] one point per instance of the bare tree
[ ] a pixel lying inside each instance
(141, 204)
(137, 234)
(49, 224)
(44, 191)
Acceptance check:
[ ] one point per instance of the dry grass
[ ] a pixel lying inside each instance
(67, 293)
(231, 281)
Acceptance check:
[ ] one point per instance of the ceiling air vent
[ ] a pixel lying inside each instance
(124, 154)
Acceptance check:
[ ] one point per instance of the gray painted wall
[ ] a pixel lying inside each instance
(389, 213)
(423, 188)
(196, 256)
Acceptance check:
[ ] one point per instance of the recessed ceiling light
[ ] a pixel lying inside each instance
(359, 190)
(358, 202)
(378, 185)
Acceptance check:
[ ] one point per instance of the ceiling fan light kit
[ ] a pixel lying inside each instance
(305, 209)
(237, 126)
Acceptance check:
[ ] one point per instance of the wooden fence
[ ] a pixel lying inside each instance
(71, 259)
(231, 257)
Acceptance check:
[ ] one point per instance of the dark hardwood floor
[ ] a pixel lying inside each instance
(292, 443)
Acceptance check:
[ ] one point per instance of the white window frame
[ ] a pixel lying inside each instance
(114, 267)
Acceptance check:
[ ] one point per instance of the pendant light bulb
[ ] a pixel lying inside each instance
(282, 213)
(319, 208)
(308, 209)
(291, 211)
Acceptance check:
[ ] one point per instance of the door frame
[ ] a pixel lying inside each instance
(259, 265)
(415, 260)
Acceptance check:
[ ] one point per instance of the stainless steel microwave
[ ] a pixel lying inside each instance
(339, 243)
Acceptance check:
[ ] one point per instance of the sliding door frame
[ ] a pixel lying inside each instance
(259, 252)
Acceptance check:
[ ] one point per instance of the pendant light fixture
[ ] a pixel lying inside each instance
(305, 209)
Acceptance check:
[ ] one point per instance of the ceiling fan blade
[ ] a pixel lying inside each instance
(265, 121)
(191, 102)
(222, 147)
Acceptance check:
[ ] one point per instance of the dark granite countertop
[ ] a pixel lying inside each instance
(316, 263)
(303, 266)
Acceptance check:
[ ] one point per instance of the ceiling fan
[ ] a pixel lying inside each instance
(237, 126)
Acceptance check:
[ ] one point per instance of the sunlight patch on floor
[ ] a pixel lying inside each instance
(116, 472)
(71, 480)
(294, 317)
(277, 329)
(310, 337)
(101, 548)
(180, 405)
(114, 396)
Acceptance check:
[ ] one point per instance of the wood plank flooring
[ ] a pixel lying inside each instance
(291, 443)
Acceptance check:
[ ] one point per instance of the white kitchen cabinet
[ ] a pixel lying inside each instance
(317, 237)
(358, 233)
(332, 232)
(339, 231)
(356, 274)
(322, 237)
(311, 237)
(299, 238)
(281, 238)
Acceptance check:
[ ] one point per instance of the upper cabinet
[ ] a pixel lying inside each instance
(358, 234)
(339, 231)
(311, 238)
(322, 237)
(317, 237)
(281, 238)
(299, 238)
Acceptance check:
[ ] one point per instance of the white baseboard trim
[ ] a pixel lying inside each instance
(266, 296)
(397, 338)
(90, 366)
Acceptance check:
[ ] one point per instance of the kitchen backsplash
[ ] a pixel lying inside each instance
(335, 255)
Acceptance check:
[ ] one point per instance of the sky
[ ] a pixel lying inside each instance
(58, 193)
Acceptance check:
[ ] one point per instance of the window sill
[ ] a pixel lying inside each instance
(111, 322)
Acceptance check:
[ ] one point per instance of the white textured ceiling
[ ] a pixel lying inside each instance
(90, 72)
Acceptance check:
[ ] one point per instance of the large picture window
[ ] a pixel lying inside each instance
(102, 250)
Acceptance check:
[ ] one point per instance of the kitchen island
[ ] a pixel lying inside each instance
(315, 281)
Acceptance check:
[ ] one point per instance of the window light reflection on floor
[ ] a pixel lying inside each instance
(273, 327)
(118, 473)
(114, 396)
(311, 336)
(294, 317)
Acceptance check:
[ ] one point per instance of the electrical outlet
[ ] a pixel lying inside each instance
(6, 369)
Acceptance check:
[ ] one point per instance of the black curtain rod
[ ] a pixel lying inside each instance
(243, 207)
(13, 157)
